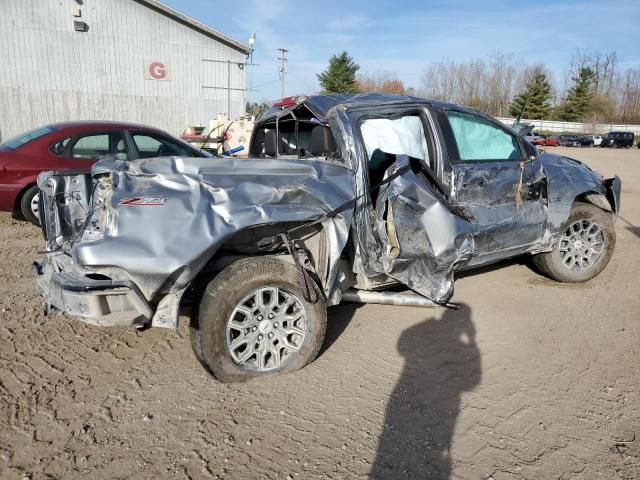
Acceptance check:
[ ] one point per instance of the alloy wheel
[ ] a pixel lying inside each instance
(265, 329)
(581, 245)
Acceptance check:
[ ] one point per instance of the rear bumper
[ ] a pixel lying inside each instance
(91, 298)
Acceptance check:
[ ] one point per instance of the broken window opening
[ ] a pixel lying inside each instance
(297, 134)
(385, 137)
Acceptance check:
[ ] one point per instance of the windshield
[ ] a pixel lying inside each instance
(24, 138)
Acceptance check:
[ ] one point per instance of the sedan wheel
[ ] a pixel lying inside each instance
(35, 206)
(30, 204)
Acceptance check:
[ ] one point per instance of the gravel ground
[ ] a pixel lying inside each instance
(530, 379)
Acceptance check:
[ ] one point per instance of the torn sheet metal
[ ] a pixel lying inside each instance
(431, 277)
(168, 216)
(67, 204)
(423, 241)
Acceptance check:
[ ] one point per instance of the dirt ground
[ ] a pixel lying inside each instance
(531, 379)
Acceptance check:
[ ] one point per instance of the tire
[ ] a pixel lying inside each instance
(552, 264)
(29, 210)
(261, 337)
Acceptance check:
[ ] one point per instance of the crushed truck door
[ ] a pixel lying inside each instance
(424, 239)
(408, 232)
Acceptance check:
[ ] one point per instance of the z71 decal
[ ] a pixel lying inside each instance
(143, 201)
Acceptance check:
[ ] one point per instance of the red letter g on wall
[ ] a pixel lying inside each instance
(157, 71)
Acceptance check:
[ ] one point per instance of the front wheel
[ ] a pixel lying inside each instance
(584, 248)
(253, 320)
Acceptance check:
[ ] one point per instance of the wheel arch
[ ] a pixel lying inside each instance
(23, 190)
(595, 198)
(312, 247)
(264, 240)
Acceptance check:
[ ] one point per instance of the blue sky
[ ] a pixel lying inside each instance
(404, 36)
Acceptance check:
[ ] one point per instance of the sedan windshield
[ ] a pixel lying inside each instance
(24, 138)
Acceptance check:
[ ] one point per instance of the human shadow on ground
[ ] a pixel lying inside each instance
(338, 319)
(630, 226)
(634, 230)
(441, 361)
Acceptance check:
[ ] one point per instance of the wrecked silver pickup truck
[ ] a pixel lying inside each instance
(341, 198)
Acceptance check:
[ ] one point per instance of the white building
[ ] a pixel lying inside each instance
(130, 60)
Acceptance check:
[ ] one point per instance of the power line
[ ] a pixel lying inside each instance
(265, 84)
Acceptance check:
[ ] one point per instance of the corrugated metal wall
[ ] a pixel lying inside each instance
(50, 73)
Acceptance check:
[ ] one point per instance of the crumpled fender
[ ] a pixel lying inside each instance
(200, 203)
(614, 190)
(566, 180)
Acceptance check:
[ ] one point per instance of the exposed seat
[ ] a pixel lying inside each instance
(258, 144)
(271, 143)
(378, 165)
(322, 142)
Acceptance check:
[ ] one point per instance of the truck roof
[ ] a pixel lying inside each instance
(321, 104)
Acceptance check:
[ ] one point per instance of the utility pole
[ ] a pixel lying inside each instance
(283, 69)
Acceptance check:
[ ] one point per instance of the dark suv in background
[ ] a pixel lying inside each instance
(618, 140)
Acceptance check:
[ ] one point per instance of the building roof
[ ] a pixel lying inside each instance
(195, 24)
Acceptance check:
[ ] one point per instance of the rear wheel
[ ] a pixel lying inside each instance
(584, 248)
(30, 204)
(253, 320)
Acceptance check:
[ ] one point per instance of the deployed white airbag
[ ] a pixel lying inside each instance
(398, 136)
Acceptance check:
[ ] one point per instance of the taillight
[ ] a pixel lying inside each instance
(289, 101)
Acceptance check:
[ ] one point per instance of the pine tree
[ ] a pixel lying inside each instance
(340, 75)
(535, 101)
(579, 97)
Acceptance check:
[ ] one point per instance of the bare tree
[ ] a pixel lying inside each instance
(383, 81)
(490, 84)
(629, 106)
(486, 85)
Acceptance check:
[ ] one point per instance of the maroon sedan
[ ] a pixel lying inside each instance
(74, 146)
(547, 142)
